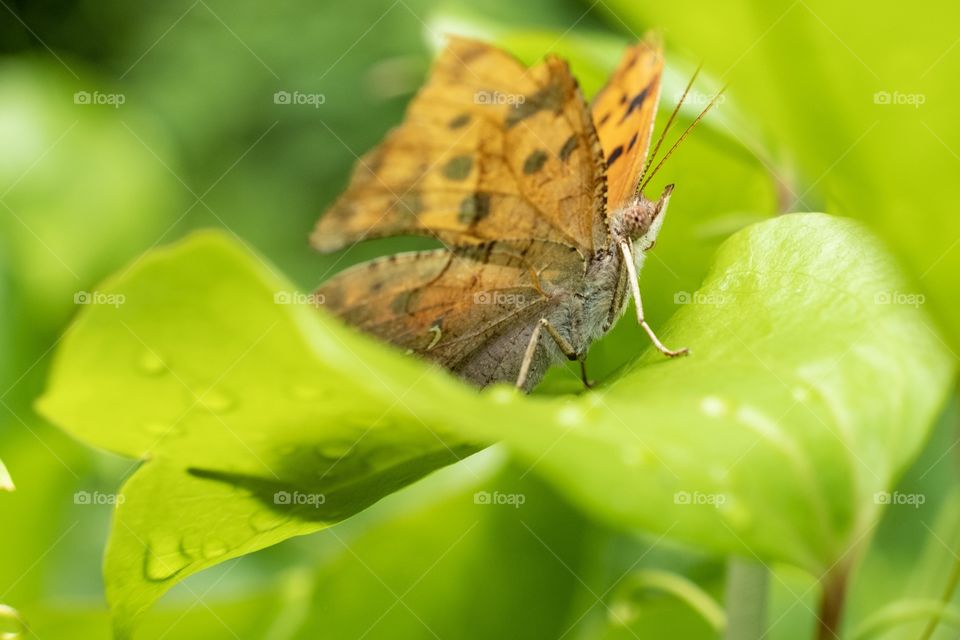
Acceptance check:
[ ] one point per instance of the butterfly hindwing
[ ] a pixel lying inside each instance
(452, 306)
(489, 150)
(624, 112)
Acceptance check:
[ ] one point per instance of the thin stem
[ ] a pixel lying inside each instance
(684, 590)
(746, 600)
(945, 598)
(832, 599)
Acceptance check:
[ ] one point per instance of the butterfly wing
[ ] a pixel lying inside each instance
(471, 309)
(489, 150)
(624, 113)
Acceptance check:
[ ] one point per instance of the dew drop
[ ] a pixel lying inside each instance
(502, 394)
(162, 429)
(151, 364)
(286, 450)
(213, 549)
(12, 625)
(190, 544)
(713, 406)
(335, 449)
(570, 416)
(263, 521)
(164, 559)
(216, 401)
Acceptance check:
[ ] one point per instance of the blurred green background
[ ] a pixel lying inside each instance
(124, 126)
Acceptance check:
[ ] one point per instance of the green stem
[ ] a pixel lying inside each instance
(903, 612)
(684, 590)
(945, 598)
(746, 600)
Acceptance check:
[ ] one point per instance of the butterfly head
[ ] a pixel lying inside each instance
(639, 221)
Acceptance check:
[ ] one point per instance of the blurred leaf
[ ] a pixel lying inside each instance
(865, 115)
(262, 420)
(80, 190)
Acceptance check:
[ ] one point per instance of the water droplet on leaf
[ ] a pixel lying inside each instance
(164, 559)
(713, 406)
(152, 364)
(570, 416)
(213, 549)
(263, 521)
(162, 429)
(216, 401)
(335, 449)
(12, 625)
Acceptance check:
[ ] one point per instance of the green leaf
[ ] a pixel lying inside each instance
(810, 388)
(259, 420)
(770, 440)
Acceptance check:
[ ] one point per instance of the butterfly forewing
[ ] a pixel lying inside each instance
(489, 150)
(624, 112)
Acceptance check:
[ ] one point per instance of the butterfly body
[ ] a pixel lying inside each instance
(533, 195)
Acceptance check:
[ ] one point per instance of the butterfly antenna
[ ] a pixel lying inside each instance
(666, 127)
(682, 136)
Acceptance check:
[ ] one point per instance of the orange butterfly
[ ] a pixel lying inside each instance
(537, 199)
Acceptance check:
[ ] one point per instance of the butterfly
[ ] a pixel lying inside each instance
(537, 199)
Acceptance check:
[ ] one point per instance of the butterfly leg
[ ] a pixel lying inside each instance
(587, 382)
(562, 342)
(635, 289)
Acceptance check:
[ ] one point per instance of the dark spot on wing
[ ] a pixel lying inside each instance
(603, 120)
(616, 153)
(548, 98)
(410, 204)
(623, 98)
(458, 167)
(474, 208)
(633, 141)
(534, 161)
(636, 103)
(460, 121)
(568, 147)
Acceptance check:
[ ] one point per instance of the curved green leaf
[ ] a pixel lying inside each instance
(809, 389)
(259, 418)
(812, 384)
